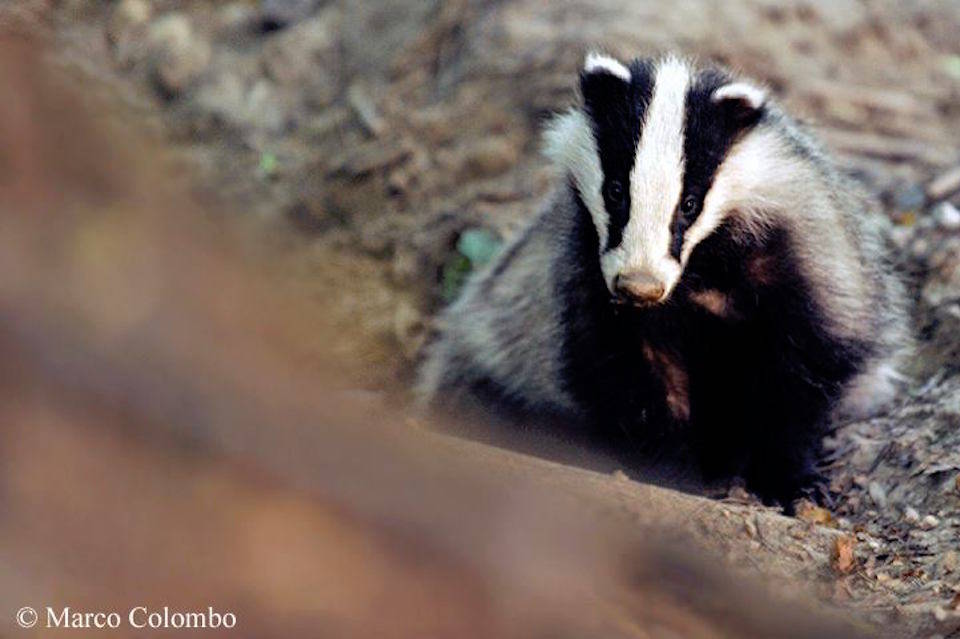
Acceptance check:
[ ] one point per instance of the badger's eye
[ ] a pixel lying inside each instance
(689, 205)
(615, 191)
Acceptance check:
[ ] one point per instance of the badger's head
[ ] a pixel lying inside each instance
(644, 152)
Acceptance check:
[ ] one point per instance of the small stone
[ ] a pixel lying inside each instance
(126, 16)
(945, 184)
(910, 515)
(947, 216)
(366, 109)
(409, 328)
(236, 18)
(950, 561)
(920, 248)
(930, 522)
(126, 29)
(878, 494)
(910, 198)
(222, 96)
(182, 55)
(491, 156)
(305, 59)
(901, 236)
(406, 265)
(227, 98)
(619, 475)
(376, 240)
(264, 105)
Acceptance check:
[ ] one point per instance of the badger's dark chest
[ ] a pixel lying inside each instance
(739, 357)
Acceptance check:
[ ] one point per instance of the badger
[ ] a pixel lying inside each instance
(704, 289)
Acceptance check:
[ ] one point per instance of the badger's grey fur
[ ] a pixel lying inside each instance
(703, 287)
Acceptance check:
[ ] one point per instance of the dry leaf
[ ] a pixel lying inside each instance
(808, 511)
(843, 560)
(908, 218)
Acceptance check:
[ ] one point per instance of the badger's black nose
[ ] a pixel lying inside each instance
(639, 287)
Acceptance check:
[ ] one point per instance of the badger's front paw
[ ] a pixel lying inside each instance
(782, 485)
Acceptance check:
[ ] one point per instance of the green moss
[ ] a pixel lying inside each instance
(474, 248)
(268, 166)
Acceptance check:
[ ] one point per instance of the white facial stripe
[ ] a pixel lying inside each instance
(765, 184)
(749, 170)
(570, 145)
(598, 62)
(656, 178)
(751, 180)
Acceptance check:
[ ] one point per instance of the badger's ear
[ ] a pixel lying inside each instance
(742, 102)
(604, 83)
(598, 63)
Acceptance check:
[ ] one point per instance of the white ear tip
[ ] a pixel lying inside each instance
(600, 63)
(748, 94)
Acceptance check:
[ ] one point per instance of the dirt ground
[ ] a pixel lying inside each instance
(359, 141)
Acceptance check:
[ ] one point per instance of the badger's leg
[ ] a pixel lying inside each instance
(783, 469)
(785, 430)
(799, 366)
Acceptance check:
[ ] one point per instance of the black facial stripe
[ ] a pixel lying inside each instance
(709, 132)
(616, 109)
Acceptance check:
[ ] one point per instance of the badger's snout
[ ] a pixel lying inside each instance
(639, 287)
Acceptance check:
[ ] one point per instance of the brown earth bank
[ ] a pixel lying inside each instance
(343, 149)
